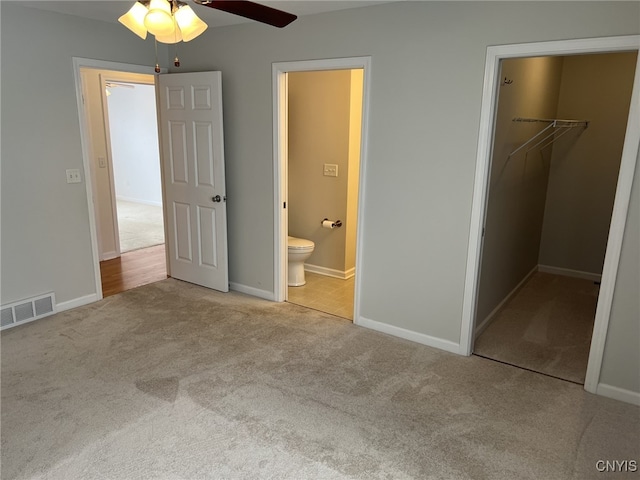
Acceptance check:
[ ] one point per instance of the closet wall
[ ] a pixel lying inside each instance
(518, 184)
(552, 207)
(584, 173)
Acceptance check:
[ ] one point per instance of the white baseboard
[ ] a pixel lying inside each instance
(330, 272)
(109, 256)
(409, 335)
(140, 201)
(255, 292)
(567, 272)
(617, 393)
(77, 302)
(487, 321)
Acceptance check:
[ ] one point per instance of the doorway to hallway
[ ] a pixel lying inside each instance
(124, 170)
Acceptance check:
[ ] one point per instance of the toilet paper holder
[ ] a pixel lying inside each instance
(336, 223)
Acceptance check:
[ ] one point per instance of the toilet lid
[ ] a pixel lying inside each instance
(296, 243)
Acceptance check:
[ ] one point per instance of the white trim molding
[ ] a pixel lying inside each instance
(621, 205)
(254, 292)
(330, 272)
(567, 272)
(617, 393)
(421, 338)
(77, 302)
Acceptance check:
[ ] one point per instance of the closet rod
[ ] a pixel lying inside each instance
(553, 123)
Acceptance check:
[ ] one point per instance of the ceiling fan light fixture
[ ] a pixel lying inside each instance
(174, 37)
(134, 20)
(158, 20)
(190, 25)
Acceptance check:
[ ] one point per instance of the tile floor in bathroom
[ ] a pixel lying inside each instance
(327, 294)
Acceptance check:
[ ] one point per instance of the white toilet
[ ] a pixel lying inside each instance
(299, 250)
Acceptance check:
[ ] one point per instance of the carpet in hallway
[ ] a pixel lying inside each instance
(139, 225)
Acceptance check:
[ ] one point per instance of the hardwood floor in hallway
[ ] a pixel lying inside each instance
(133, 269)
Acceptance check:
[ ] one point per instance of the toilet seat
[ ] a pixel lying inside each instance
(299, 244)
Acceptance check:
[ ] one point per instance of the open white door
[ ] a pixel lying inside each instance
(193, 163)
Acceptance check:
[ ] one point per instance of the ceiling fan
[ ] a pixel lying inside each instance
(252, 11)
(173, 21)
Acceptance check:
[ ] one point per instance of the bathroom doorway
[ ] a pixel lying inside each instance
(320, 109)
(325, 122)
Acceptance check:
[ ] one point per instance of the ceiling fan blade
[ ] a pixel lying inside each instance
(251, 10)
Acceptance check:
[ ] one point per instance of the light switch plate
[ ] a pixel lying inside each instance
(73, 175)
(330, 170)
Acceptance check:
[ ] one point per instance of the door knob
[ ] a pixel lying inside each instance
(217, 198)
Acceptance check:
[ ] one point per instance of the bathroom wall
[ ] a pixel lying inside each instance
(518, 184)
(584, 168)
(320, 116)
(355, 138)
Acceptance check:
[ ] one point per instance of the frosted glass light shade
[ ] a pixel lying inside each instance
(158, 20)
(134, 20)
(190, 25)
(174, 37)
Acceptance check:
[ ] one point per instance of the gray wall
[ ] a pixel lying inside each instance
(621, 360)
(584, 168)
(517, 184)
(427, 73)
(46, 243)
(422, 140)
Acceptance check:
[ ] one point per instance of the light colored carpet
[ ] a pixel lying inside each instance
(173, 381)
(546, 327)
(140, 225)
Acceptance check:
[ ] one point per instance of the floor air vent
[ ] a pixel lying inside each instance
(27, 310)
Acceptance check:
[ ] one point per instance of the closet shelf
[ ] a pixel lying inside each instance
(550, 130)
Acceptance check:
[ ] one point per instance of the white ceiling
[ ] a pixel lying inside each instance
(110, 10)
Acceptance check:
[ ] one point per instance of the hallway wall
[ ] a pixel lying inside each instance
(135, 151)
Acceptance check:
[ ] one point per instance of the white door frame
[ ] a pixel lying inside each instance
(623, 192)
(79, 63)
(280, 93)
